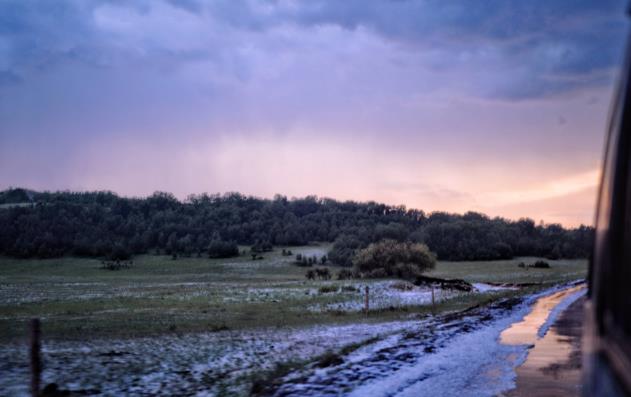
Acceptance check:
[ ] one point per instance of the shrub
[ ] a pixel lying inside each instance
(407, 271)
(119, 253)
(323, 273)
(344, 249)
(116, 265)
(344, 274)
(302, 260)
(325, 289)
(389, 258)
(541, 265)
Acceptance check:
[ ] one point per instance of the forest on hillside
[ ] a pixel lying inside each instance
(103, 224)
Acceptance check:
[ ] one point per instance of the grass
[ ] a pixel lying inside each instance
(507, 271)
(76, 299)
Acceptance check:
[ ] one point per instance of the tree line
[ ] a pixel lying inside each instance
(103, 224)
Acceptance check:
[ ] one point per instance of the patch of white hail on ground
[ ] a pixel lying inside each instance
(384, 295)
(211, 364)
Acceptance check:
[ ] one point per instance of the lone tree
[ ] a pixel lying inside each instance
(390, 258)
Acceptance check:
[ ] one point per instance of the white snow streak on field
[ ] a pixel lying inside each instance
(396, 294)
(482, 287)
(210, 364)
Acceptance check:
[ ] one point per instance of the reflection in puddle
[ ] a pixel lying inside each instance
(526, 331)
(551, 367)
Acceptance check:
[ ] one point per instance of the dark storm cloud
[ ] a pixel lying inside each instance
(556, 46)
(35, 36)
(300, 97)
(549, 47)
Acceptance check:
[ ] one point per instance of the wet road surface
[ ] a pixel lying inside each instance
(553, 365)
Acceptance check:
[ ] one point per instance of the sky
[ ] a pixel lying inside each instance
(494, 106)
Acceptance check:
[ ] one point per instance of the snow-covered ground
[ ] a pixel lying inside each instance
(203, 364)
(443, 355)
(460, 356)
(395, 294)
(482, 287)
(383, 295)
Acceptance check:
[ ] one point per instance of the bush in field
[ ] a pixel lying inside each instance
(325, 289)
(222, 249)
(302, 260)
(344, 249)
(390, 258)
(116, 265)
(344, 274)
(541, 265)
(323, 274)
(119, 253)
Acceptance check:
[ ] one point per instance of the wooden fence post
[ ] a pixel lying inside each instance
(366, 300)
(36, 364)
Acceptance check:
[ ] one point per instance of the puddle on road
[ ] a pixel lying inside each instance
(545, 371)
(526, 331)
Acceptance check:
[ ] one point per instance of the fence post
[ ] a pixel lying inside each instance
(366, 300)
(36, 364)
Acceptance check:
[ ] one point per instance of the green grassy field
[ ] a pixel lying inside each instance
(507, 271)
(76, 299)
